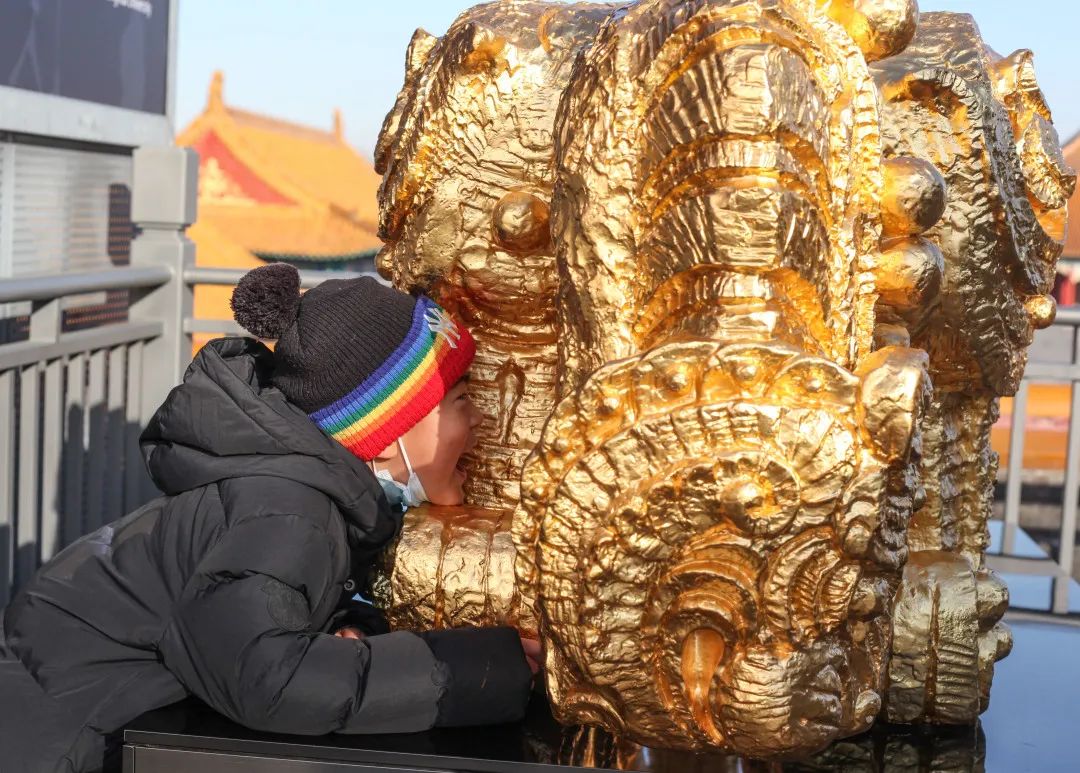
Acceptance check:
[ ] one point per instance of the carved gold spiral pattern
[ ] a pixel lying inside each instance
(714, 254)
(687, 524)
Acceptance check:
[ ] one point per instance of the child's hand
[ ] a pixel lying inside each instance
(349, 632)
(532, 654)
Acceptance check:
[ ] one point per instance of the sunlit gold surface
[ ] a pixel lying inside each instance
(744, 306)
(981, 120)
(466, 155)
(881, 28)
(914, 196)
(452, 567)
(942, 663)
(697, 550)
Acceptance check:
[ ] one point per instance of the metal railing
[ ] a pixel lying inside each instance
(1059, 570)
(72, 404)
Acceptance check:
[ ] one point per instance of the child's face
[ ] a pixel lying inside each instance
(435, 447)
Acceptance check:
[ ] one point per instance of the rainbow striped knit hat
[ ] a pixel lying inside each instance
(365, 361)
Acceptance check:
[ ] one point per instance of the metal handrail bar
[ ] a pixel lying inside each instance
(228, 277)
(48, 287)
(1047, 371)
(214, 327)
(231, 276)
(1039, 567)
(24, 353)
(1040, 616)
(1058, 569)
(1068, 315)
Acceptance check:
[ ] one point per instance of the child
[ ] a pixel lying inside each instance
(231, 586)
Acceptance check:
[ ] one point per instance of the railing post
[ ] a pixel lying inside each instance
(1014, 480)
(1070, 491)
(164, 190)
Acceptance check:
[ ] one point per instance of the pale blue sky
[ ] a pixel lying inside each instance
(298, 59)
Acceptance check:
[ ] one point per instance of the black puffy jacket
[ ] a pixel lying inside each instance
(224, 587)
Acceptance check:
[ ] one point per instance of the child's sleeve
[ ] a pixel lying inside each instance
(241, 639)
(490, 679)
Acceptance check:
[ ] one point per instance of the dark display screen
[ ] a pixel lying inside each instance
(112, 52)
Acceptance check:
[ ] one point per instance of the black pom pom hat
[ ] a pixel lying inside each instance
(365, 361)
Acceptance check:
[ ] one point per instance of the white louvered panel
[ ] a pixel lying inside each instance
(61, 212)
(7, 201)
(5, 250)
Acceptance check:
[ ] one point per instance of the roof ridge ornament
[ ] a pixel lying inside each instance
(215, 99)
(339, 125)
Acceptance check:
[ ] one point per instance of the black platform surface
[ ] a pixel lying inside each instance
(1033, 725)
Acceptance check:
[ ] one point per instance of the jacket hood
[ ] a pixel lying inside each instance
(227, 421)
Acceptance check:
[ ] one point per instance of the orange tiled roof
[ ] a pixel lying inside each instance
(277, 187)
(289, 230)
(320, 163)
(215, 250)
(221, 252)
(1072, 236)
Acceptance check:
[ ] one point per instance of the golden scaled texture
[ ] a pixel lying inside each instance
(714, 254)
(716, 551)
(982, 122)
(951, 649)
(696, 160)
(451, 567)
(713, 521)
(466, 158)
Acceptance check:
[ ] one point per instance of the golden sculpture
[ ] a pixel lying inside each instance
(884, 749)
(747, 279)
(981, 120)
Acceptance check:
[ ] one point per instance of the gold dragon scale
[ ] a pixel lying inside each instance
(747, 280)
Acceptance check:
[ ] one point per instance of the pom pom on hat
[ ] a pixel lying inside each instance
(363, 360)
(266, 300)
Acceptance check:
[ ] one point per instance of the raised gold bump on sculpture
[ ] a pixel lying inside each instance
(914, 198)
(881, 28)
(982, 118)
(714, 260)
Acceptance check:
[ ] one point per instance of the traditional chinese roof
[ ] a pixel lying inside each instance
(216, 250)
(1072, 236)
(1069, 264)
(278, 188)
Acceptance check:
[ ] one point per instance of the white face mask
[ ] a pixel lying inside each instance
(410, 494)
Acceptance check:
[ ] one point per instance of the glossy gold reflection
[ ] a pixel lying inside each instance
(747, 280)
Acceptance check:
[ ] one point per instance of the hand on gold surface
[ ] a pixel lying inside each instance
(349, 632)
(532, 654)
